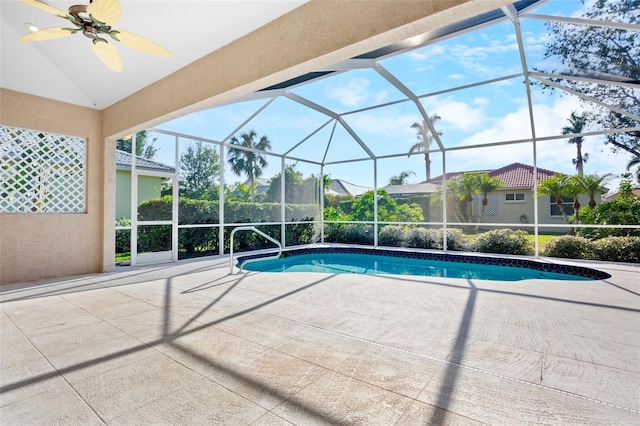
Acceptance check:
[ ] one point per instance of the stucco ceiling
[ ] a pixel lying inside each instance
(67, 70)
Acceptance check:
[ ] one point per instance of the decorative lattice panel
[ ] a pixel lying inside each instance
(41, 172)
(492, 205)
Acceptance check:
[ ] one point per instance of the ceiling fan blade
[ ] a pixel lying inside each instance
(45, 7)
(140, 43)
(108, 54)
(48, 34)
(107, 12)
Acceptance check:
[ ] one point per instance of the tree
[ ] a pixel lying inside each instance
(592, 184)
(298, 190)
(468, 186)
(144, 146)
(326, 181)
(454, 210)
(199, 170)
(555, 186)
(573, 189)
(388, 209)
(635, 162)
(596, 51)
(624, 209)
(401, 178)
(487, 185)
(577, 124)
(249, 161)
(425, 137)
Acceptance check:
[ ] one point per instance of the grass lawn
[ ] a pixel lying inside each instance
(121, 257)
(543, 238)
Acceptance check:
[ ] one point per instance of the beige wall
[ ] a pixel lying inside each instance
(317, 34)
(35, 246)
(511, 212)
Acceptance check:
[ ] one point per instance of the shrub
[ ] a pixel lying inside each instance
(154, 238)
(569, 246)
(302, 232)
(621, 210)
(618, 249)
(455, 239)
(506, 241)
(421, 238)
(392, 236)
(123, 236)
(358, 234)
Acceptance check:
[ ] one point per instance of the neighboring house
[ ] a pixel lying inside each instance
(608, 197)
(262, 185)
(513, 203)
(410, 190)
(149, 187)
(342, 187)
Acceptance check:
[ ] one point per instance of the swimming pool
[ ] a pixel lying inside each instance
(341, 260)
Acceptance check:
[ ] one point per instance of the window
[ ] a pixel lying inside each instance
(514, 197)
(554, 209)
(41, 172)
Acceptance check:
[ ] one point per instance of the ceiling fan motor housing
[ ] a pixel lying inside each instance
(90, 28)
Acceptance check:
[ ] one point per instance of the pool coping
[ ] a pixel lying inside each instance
(495, 259)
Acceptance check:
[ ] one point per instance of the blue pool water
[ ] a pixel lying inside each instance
(350, 263)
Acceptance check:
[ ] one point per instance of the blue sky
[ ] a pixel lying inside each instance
(483, 114)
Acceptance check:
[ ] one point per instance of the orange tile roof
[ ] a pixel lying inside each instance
(515, 175)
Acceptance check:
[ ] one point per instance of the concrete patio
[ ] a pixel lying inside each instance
(187, 343)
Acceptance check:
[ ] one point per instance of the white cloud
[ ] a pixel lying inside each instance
(455, 76)
(456, 114)
(350, 93)
(381, 96)
(554, 154)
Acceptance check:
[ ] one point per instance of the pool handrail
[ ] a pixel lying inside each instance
(251, 228)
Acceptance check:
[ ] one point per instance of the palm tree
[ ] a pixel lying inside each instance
(487, 185)
(326, 181)
(591, 184)
(248, 162)
(577, 124)
(573, 189)
(556, 187)
(453, 199)
(468, 187)
(401, 178)
(425, 137)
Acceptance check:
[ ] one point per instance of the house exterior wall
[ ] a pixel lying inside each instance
(510, 212)
(149, 188)
(34, 246)
(315, 35)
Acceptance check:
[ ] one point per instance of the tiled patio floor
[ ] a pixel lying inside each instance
(189, 344)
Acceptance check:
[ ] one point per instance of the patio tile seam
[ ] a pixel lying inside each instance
(233, 367)
(58, 374)
(470, 368)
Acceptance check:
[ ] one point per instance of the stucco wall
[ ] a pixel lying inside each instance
(510, 212)
(35, 246)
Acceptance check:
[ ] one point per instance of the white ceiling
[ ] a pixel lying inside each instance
(67, 70)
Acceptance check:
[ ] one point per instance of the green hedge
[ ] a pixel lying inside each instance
(204, 241)
(611, 249)
(618, 249)
(415, 237)
(569, 246)
(505, 241)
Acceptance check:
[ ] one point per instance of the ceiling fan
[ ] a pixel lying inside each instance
(95, 21)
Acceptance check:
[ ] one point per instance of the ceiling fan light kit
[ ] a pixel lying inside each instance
(95, 21)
